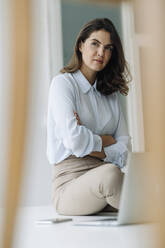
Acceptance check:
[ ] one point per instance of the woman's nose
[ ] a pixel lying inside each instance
(101, 51)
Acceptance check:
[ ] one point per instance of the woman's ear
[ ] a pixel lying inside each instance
(80, 46)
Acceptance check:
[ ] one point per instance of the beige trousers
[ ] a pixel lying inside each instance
(83, 186)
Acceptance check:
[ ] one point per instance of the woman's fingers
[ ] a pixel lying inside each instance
(77, 118)
(76, 114)
(108, 140)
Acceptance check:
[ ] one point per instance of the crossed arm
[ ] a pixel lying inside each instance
(107, 140)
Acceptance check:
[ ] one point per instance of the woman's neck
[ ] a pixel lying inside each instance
(89, 74)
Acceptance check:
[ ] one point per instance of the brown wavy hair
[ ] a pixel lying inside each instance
(115, 76)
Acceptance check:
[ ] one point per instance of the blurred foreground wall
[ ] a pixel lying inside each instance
(149, 24)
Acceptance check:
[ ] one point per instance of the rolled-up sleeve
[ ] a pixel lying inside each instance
(118, 152)
(62, 104)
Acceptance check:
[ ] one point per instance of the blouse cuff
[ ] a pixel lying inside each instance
(97, 143)
(116, 154)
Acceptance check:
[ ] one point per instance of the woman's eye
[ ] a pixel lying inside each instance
(94, 43)
(109, 48)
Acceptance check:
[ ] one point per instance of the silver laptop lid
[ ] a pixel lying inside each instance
(138, 191)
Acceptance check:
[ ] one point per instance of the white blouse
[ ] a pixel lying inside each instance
(99, 115)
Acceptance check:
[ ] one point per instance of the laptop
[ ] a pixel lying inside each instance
(138, 197)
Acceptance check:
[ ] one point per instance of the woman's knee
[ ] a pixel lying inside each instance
(111, 179)
(112, 172)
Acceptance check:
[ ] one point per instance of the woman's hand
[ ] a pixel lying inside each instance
(107, 140)
(98, 154)
(77, 118)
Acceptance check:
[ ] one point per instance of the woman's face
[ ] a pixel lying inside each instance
(96, 51)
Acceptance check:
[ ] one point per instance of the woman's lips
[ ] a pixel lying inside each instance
(99, 61)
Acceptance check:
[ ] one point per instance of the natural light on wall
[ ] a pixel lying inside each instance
(134, 99)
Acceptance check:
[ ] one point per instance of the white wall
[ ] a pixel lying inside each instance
(46, 60)
(36, 188)
(134, 98)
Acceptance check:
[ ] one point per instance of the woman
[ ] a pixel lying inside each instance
(87, 138)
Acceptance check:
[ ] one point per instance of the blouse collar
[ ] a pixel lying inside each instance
(84, 83)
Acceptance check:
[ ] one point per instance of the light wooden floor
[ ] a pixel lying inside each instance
(29, 234)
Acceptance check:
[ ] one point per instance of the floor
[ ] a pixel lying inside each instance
(30, 234)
